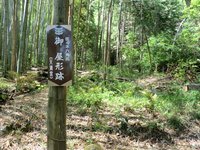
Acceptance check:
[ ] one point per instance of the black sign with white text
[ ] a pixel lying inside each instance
(59, 43)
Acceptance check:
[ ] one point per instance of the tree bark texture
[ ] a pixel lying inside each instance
(6, 31)
(108, 39)
(56, 123)
(14, 38)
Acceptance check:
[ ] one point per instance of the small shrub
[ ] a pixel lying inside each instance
(186, 71)
(151, 97)
(4, 84)
(12, 75)
(195, 115)
(152, 126)
(176, 123)
(27, 83)
(82, 111)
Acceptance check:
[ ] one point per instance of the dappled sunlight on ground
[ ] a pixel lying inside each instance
(23, 126)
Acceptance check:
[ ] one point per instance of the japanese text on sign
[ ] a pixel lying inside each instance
(59, 42)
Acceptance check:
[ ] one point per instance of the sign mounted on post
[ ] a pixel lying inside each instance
(59, 43)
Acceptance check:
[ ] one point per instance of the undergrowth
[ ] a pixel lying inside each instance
(175, 105)
(4, 84)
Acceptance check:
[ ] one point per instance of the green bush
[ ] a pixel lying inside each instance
(27, 83)
(4, 84)
(176, 123)
(12, 75)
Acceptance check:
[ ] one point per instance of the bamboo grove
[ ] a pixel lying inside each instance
(23, 25)
(121, 33)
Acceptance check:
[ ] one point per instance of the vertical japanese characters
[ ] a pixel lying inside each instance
(59, 75)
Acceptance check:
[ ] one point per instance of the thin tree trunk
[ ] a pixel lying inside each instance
(41, 38)
(28, 65)
(72, 29)
(122, 40)
(76, 43)
(1, 31)
(96, 52)
(149, 52)
(21, 25)
(14, 39)
(119, 32)
(108, 39)
(142, 30)
(88, 32)
(38, 33)
(24, 35)
(34, 40)
(30, 61)
(49, 18)
(6, 31)
(101, 44)
(17, 30)
(10, 7)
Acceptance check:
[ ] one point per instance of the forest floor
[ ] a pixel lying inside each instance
(23, 127)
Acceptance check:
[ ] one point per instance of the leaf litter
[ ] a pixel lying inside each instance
(23, 127)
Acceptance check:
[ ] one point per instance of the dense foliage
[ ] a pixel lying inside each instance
(134, 36)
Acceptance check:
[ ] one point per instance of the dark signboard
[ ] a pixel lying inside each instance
(59, 43)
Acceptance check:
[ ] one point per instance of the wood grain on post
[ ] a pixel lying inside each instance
(56, 128)
(56, 117)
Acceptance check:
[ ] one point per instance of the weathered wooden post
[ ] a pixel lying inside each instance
(59, 42)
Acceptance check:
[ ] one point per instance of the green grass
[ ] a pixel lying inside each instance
(174, 104)
(4, 84)
(178, 102)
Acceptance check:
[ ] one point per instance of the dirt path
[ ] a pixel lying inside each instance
(23, 122)
(23, 127)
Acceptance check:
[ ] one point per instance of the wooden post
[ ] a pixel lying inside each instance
(56, 113)
(56, 128)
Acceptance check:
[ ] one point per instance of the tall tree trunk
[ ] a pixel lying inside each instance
(17, 30)
(32, 27)
(28, 43)
(119, 32)
(96, 52)
(108, 39)
(76, 42)
(101, 44)
(19, 55)
(24, 35)
(22, 51)
(71, 22)
(10, 7)
(49, 18)
(149, 52)
(122, 40)
(88, 32)
(41, 38)
(6, 31)
(1, 31)
(38, 33)
(34, 40)
(142, 30)
(14, 39)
